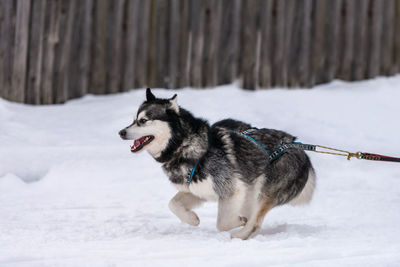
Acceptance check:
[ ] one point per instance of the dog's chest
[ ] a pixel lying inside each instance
(179, 177)
(203, 189)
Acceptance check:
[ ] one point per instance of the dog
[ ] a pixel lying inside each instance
(220, 163)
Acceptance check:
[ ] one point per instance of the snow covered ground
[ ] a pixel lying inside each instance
(72, 194)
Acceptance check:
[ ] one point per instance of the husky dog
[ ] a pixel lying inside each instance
(217, 163)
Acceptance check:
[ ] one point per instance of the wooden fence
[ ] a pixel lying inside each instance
(54, 50)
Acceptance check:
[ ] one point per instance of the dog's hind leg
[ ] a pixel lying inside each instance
(181, 205)
(229, 210)
(255, 221)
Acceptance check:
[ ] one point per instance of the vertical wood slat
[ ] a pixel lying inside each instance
(305, 46)
(99, 48)
(375, 38)
(158, 45)
(131, 42)
(318, 41)
(32, 94)
(396, 57)
(213, 17)
(332, 39)
(64, 51)
(114, 50)
(248, 44)
(50, 41)
(229, 41)
(265, 71)
(182, 44)
(347, 46)
(79, 49)
(7, 30)
(141, 52)
(197, 13)
(21, 50)
(294, 50)
(86, 47)
(173, 40)
(388, 28)
(278, 37)
(360, 40)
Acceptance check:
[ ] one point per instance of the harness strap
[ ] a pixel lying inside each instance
(279, 150)
(190, 178)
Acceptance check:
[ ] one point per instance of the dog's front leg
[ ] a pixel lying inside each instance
(228, 212)
(181, 205)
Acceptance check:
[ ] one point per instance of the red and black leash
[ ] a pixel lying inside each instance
(370, 156)
(349, 155)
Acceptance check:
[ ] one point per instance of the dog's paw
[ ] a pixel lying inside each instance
(192, 218)
(245, 233)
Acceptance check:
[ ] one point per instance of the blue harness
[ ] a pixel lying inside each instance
(271, 156)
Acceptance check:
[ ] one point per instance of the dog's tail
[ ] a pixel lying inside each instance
(306, 194)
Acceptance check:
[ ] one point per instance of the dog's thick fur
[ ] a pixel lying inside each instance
(231, 169)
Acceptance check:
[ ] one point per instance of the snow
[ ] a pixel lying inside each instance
(72, 194)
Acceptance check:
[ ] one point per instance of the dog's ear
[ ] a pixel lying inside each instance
(174, 103)
(149, 95)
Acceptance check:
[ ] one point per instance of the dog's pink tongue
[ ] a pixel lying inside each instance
(137, 143)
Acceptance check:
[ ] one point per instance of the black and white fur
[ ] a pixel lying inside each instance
(231, 169)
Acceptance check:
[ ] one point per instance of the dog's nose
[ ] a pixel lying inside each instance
(122, 133)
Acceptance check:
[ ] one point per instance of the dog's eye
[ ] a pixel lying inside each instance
(142, 121)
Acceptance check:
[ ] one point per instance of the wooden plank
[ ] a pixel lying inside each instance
(79, 49)
(183, 55)
(396, 57)
(387, 47)
(197, 13)
(318, 42)
(229, 41)
(248, 43)
(213, 21)
(86, 48)
(295, 13)
(173, 42)
(131, 42)
(99, 48)
(51, 40)
(375, 39)
(7, 30)
(21, 51)
(266, 13)
(360, 40)
(32, 95)
(278, 35)
(305, 46)
(289, 40)
(158, 45)
(347, 46)
(332, 39)
(235, 47)
(114, 51)
(64, 51)
(152, 48)
(142, 50)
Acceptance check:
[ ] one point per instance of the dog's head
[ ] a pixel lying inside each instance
(151, 128)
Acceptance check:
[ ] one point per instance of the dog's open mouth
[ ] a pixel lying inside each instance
(138, 144)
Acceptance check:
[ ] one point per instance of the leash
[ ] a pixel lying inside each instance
(282, 148)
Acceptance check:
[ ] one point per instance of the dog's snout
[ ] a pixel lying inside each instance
(122, 133)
